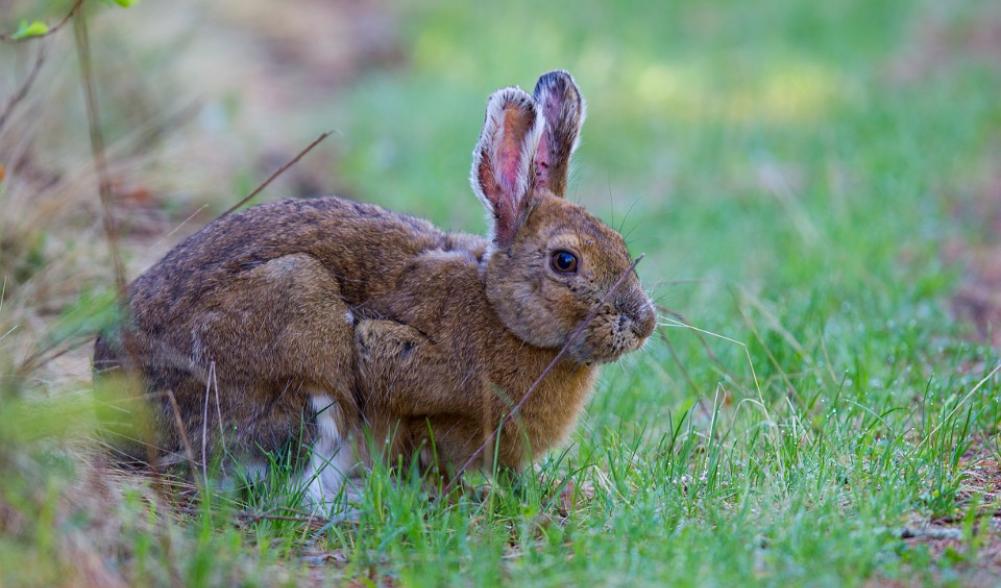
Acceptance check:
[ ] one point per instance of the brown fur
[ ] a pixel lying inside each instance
(468, 337)
(453, 328)
(262, 296)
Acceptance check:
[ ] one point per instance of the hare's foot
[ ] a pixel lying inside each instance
(326, 477)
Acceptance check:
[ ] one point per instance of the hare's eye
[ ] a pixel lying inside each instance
(564, 262)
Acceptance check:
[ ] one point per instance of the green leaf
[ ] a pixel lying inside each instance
(25, 30)
(126, 3)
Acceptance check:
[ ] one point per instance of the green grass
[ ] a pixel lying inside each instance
(792, 198)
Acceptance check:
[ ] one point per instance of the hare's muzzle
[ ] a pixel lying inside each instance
(638, 314)
(644, 320)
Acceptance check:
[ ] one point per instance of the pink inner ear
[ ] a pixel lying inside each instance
(504, 158)
(502, 207)
(509, 152)
(558, 110)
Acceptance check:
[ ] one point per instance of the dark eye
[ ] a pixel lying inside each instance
(564, 262)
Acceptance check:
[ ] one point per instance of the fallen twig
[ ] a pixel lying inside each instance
(277, 173)
(576, 334)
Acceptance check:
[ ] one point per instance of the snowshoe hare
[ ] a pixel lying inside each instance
(290, 323)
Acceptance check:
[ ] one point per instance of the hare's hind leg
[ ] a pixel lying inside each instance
(283, 323)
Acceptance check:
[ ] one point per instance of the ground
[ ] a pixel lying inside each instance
(815, 187)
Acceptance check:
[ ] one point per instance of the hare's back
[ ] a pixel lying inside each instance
(360, 244)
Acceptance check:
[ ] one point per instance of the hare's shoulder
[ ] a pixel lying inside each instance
(436, 286)
(444, 278)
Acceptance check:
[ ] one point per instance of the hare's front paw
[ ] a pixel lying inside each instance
(380, 340)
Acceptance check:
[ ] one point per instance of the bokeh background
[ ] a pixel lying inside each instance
(819, 181)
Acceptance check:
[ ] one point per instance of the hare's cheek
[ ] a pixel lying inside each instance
(623, 340)
(599, 343)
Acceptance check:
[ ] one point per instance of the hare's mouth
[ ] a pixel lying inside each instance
(608, 340)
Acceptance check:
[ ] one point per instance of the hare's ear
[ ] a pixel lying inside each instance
(502, 160)
(563, 109)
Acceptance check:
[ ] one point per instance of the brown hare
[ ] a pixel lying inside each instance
(466, 334)
(288, 324)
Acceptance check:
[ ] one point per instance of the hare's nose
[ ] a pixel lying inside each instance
(642, 317)
(644, 321)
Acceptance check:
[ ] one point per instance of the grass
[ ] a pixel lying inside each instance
(790, 169)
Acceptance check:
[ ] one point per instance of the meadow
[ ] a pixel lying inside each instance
(815, 187)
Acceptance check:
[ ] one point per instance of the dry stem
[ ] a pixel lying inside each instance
(277, 173)
(21, 92)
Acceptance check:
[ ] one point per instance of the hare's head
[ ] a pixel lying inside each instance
(551, 263)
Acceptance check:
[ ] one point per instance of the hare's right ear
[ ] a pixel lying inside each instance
(502, 160)
(564, 110)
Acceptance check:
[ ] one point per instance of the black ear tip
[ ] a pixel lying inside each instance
(559, 82)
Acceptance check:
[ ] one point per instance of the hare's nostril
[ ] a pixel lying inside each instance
(644, 321)
(637, 312)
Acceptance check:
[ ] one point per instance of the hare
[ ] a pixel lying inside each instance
(465, 334)
(249, 333)
(249, 323)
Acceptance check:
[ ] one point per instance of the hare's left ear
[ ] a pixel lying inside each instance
(564, 110)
